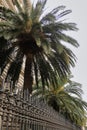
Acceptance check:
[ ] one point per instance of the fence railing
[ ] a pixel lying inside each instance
(24, 112)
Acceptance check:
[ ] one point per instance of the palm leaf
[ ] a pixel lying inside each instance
(15, 68)
(38, 10)
(5, 57)
(9, 4)
(27, 7)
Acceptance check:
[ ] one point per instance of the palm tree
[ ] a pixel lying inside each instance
(30, 37)
(66, 99)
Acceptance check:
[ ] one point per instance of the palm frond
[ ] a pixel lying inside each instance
(27, 7)
(74, 88)
(18, 6)
(46, 72)
(63, 14)
(9, 4)
(55, 15)
(36, 73)
(38, 10)
(5, 57)
(15, 68)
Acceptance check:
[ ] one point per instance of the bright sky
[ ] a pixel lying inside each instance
(79, 16)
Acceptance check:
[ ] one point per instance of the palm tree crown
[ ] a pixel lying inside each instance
(27, 34)
(66, 99)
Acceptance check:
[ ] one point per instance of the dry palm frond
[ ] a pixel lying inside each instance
(8, 4)
(3, 3)
(11, 5)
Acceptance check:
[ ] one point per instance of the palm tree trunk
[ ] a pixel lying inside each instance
(28, 78)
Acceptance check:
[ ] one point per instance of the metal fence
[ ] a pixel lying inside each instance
(24, 112)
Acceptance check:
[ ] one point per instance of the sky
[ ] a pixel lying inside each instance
(79, 16)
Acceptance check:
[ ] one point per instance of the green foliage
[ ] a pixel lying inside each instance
(29, 34)
(66, 99)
